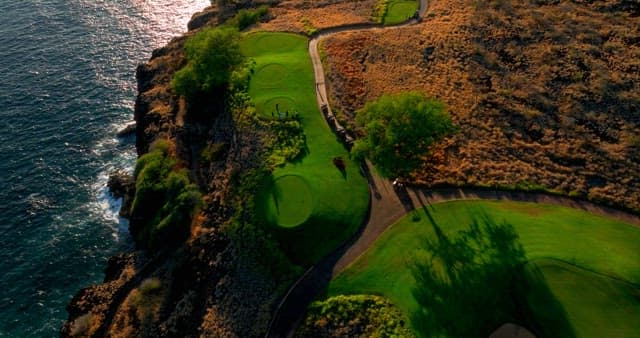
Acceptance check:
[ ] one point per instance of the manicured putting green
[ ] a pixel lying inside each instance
(399, 11)
(291, 201)
(609, 248)
(601, 306)
(281, 104)
(270, 76)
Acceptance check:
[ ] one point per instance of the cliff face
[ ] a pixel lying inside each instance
(208, 286)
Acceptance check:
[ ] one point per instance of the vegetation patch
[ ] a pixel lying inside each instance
(354, 316)
(288, 141)
(380, 11)
(398, 131)
(165, 201)
(213, 54)
(339, 195)
(467, 267)
(309, 29)
(247, 17)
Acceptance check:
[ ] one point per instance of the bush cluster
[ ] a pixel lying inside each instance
(165, 200)
(247, 17)
(213, 55)
(288, 141)
(354, 316)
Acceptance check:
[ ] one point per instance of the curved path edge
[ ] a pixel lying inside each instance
(388, 204)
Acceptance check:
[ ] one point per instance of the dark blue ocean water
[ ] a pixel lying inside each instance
(66, 86)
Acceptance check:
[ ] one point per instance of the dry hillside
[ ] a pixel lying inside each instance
(302, 16)
(546, 93)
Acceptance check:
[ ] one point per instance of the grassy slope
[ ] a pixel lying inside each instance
(340, 203)
(545, 231)
(399, 10)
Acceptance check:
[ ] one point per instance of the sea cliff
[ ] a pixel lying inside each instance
(208, 286)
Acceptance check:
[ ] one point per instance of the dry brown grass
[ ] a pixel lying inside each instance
(294, 15)
(545, 95)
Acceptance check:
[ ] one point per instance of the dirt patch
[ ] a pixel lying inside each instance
(546, 95)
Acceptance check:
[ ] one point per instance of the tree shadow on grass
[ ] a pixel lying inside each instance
(470, 283)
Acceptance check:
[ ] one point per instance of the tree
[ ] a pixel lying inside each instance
(213, 54)
(399, 130)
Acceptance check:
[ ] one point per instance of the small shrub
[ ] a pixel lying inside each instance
(247, 17)
(380, 11)
(309, 29)
(150, 285)
(354, 315)
(288, 141)
(213, 152)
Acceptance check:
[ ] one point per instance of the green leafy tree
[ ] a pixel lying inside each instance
(213, 54)
(399, 130)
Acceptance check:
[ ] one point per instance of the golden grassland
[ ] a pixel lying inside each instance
(301, 16)
(547, 95)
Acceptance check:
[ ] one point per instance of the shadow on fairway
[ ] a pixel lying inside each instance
(471, 282)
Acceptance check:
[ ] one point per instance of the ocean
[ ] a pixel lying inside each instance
(67, 85)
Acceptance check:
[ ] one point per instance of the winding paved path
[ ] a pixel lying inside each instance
(387, 206)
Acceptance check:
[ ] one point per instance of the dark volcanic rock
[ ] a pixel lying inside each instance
(91, 307)
(206, 17)
(127, 130)
(122, 185)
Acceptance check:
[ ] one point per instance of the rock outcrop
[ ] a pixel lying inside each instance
(122, 185)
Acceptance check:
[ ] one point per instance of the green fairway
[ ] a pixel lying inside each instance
(313, 218)
(399, 11)
(591, 242)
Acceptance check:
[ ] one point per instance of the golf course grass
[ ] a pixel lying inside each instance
(310, 204)
(583, 271)
(291, 201)
(399, 11)
(596, 305)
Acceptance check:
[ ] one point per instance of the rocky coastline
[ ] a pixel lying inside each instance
(206, 287)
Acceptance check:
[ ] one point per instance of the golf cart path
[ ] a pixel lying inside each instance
(387, 205)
